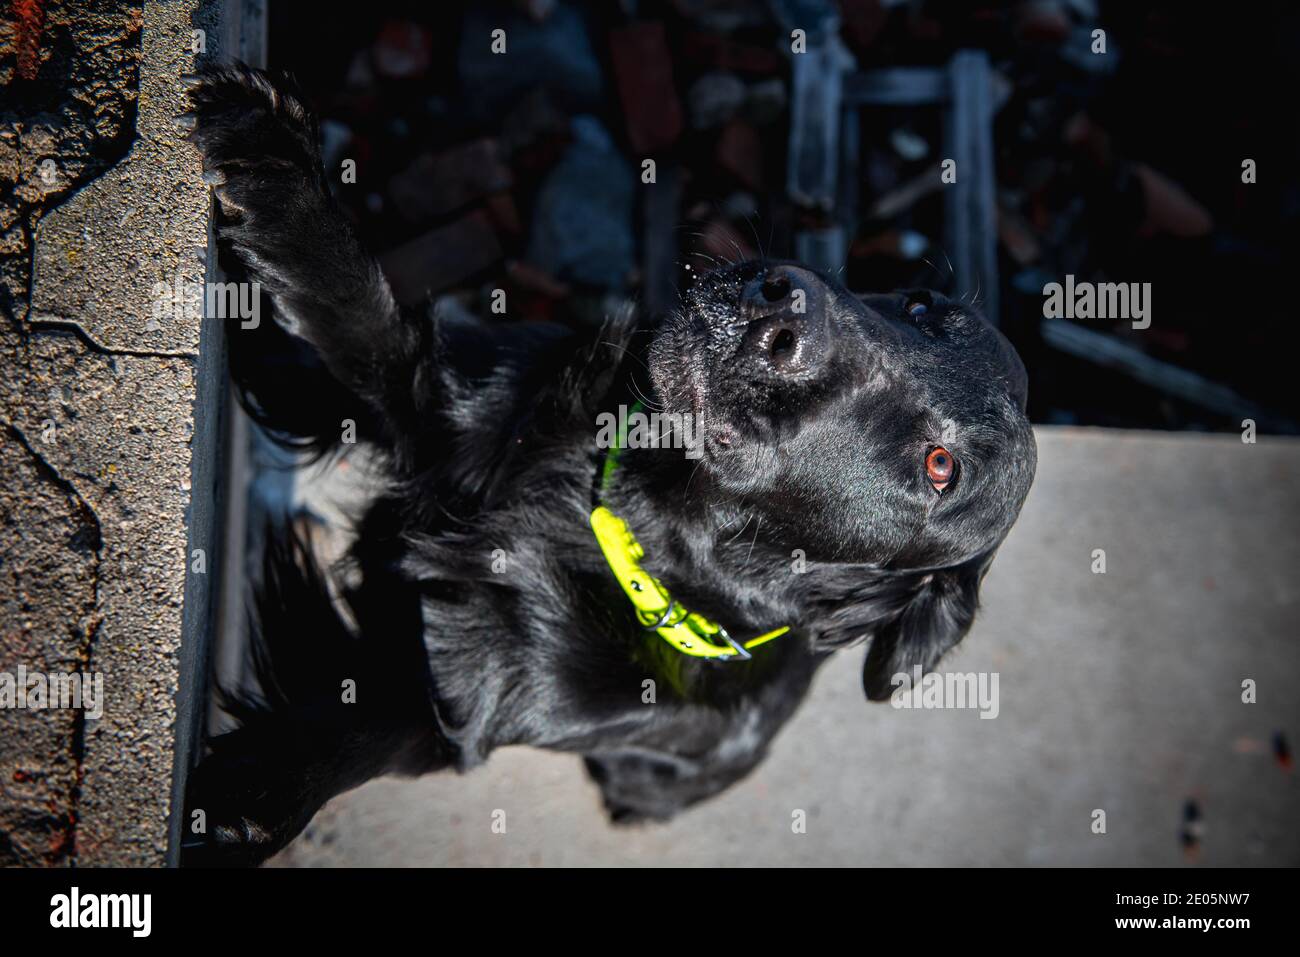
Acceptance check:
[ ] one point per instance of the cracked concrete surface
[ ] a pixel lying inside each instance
(101, 437)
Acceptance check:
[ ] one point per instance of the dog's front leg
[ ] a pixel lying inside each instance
(262, 784)
(261, 155)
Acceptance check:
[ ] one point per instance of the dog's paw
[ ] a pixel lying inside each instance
(624, 815)
(231, 815)
(636, 789)
(237, 843)
(256, 137)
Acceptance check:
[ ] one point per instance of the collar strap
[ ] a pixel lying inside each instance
(688, 632)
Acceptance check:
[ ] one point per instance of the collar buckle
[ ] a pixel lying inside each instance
(742, 653)
(685, 630)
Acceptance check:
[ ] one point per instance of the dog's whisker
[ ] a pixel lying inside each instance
(694, 472)
(645, 400)
(749, 519)
(758, 243)
(626, 351)
(754, 540)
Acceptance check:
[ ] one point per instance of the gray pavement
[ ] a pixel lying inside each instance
(1119, 691)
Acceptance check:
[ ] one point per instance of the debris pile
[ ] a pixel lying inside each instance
(574, 154)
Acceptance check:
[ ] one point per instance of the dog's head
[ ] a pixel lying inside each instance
(881, 438)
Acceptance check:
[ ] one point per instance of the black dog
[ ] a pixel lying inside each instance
(859, 462)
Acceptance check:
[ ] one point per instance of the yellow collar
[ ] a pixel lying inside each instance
(688, 632)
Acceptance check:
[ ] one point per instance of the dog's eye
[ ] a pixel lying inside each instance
(917, 305)
(940, 467)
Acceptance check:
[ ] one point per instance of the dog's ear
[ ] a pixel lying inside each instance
(936, 617)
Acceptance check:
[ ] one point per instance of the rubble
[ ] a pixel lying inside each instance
(724, 16)
(971, 150)
(739, 152)
(402, 51)
(582, 221)
(554, 53)
(714, 99)
(643, 71)
(712, 51)
(442, 257)
(766, 101)
(436, 184)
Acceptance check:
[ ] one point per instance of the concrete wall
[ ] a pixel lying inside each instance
(110, 415)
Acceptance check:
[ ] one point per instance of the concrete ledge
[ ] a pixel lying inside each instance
(109, 443)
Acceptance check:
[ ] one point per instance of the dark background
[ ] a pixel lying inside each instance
(521, 172)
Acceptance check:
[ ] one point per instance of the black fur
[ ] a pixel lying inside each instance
(486, 614)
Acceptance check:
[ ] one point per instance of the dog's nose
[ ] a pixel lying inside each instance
(788, 330)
